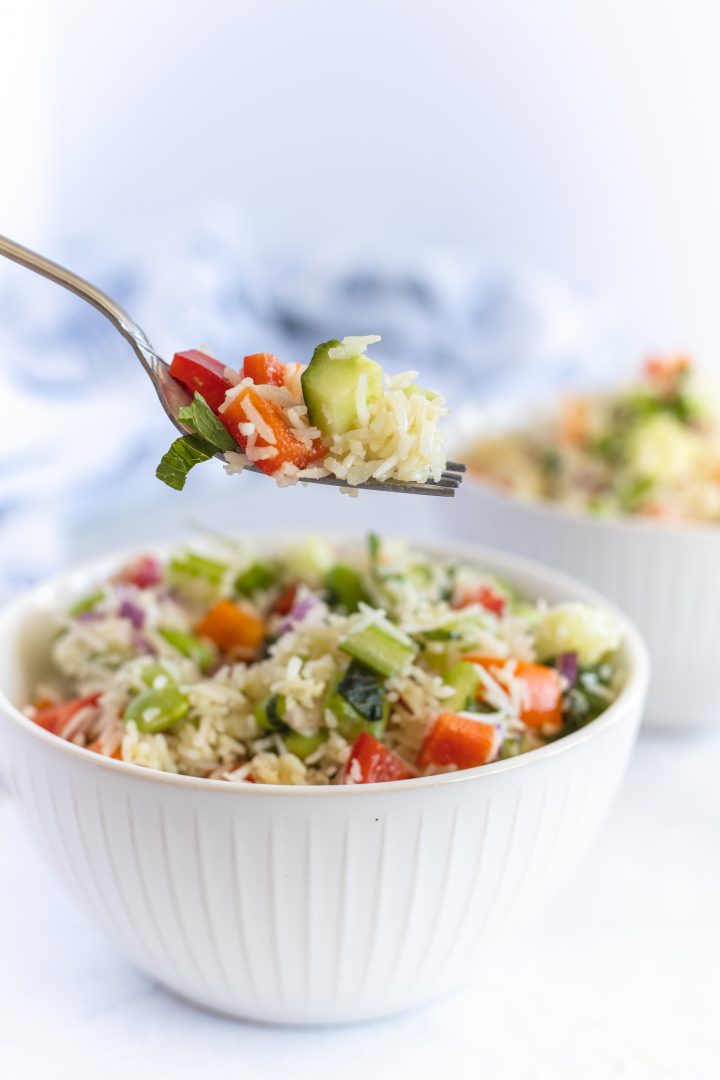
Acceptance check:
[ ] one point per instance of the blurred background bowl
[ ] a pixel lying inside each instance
(665, 577)
(312, 905)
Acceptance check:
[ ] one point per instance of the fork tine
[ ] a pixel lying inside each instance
(455, 466)
(445, 487)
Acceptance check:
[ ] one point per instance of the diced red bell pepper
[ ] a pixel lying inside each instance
(543, 706)
(484, 595)
(372, 763)
(264, 368)
(284, 603)
(198, 371)
(55, 717)
(460, 741)
(144, 572)
(289, 448)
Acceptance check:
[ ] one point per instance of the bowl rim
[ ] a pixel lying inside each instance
(462, 445)
(633, 693)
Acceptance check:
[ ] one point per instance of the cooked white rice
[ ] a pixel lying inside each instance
(107, 650)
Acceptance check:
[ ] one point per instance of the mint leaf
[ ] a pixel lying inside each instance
(180, 459)
(200, 417)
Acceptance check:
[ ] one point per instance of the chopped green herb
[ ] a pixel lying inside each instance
(364, 691)
(184, 454)
(200, 417)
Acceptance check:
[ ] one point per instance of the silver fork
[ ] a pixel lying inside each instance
(171, 393)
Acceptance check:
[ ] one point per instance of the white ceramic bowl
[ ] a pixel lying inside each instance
(665, 577)
(310, 905)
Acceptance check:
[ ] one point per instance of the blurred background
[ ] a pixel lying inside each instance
(516, 196)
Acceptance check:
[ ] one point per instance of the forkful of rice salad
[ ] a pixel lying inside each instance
(320, 664)
(339, 420)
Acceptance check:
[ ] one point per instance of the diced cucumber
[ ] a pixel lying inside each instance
(310, 560)
(158, 710)
(464, 679)
(346, 588)
(86, 603)
(357, 700)
(195, 648)
(381, 647)
(270, 713)
(259, 575)
(304, 745)
(576, 627)
(330, 388)
(191, 565)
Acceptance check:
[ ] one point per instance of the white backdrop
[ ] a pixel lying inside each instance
(579, 138)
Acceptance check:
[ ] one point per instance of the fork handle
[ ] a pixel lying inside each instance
(90, 293)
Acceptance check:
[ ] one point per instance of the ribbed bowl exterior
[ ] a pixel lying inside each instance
(666, 579)
(314, 905)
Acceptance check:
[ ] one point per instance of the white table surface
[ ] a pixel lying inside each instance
(620, 978)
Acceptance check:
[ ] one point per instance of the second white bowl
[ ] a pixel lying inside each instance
(665, 577)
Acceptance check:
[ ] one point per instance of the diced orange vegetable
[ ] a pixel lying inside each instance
(460, 741)
(543, 707)
(232, 627)
(665, 370)
(289, 448)
(371, 762)
(575, 421)
(96, 749)
(264, 368)
(484, 595)
(55, 717)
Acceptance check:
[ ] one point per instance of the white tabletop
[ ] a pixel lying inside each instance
(620, 978)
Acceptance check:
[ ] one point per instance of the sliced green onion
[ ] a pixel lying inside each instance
(346, 588)
(86, 603)
(195, 648)
(260, 575)
(158, 710)
(191, 565)
(304, 745)
(270, 713)
(150, 674)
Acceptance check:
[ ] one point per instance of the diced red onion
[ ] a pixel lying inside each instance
(300, 609)
(89, 616)
(129, 610)
(142, 645)
(567, 665)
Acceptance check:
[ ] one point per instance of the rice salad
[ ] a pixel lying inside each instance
(651, 449)
(320, 665)
(339, 416)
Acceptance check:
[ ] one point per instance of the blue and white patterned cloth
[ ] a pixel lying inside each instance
(81, 428)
